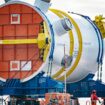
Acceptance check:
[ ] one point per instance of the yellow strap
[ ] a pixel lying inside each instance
(19, 41)
(41, 41)
(47, 47)
(79, 40)
(71, 44)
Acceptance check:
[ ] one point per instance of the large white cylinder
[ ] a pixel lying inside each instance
(85, 51)
(73, 35)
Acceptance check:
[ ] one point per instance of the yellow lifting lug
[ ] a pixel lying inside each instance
(100, 22)
(42, 40)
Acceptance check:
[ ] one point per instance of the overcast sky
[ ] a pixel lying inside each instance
(85, 7)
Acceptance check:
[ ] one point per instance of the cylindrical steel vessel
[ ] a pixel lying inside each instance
(86, 44)
(30, 39)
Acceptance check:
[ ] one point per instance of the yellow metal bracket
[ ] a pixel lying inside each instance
(100, 22)
(41, 40)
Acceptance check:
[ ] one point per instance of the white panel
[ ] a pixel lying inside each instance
(15, 18)
(26, 65)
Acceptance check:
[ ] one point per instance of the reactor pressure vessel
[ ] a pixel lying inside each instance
(34, 38)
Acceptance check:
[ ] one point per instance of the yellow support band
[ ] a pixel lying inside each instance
(45, 29)
(80, 46)
(19, 41)
(71, 44)
(58, 73)
(47, 48)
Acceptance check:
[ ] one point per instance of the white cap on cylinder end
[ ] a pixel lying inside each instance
(66, 24)
(62, 26)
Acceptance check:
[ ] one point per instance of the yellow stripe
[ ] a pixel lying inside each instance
(71, 44)
(79, 40)
(58, 73)
(19, 41)
(47, 48)
(71, 47)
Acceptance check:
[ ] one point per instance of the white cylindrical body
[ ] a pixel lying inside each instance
(83, 43)
(61, 26)
(87, 63)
